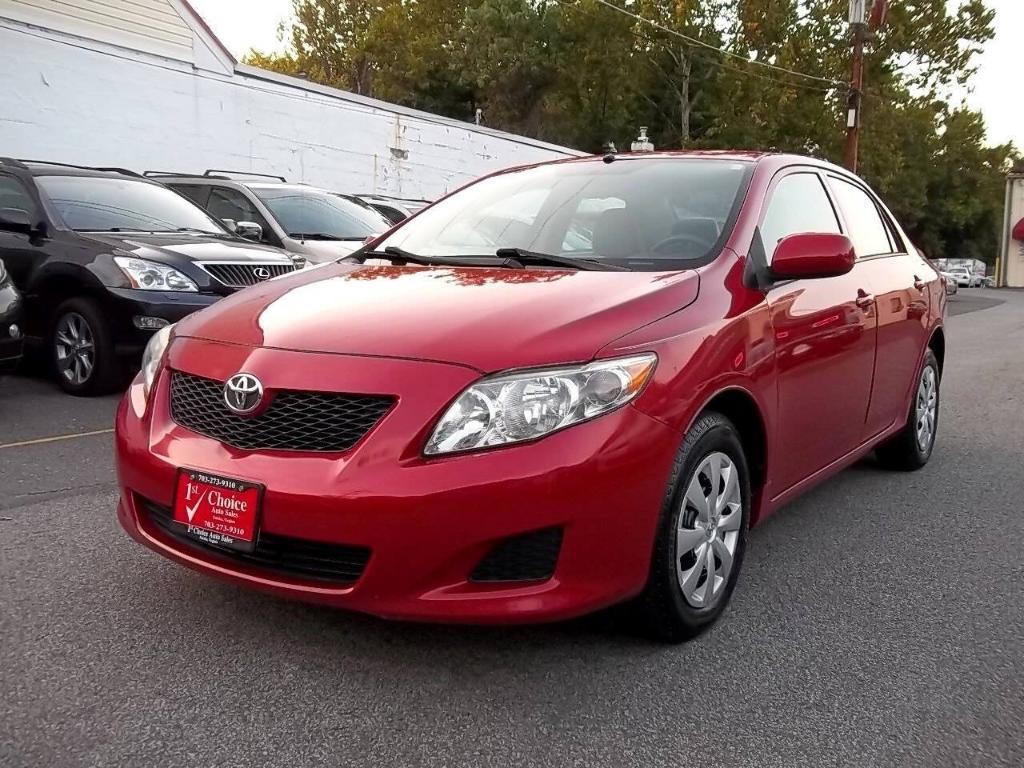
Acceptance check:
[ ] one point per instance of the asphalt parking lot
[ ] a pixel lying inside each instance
(878, 621)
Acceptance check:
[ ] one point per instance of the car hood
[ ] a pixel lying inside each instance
(171, 248)
(488, 319)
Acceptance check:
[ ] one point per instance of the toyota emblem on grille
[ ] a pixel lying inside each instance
(243, 393)
(262, 273)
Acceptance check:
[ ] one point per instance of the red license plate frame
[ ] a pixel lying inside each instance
(218, 511)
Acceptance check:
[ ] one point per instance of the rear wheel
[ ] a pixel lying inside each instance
(912, 446)
(81, 349)
(702, 533)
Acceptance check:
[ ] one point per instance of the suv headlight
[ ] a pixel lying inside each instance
(513, 407)
(153, 355)
(151, 276)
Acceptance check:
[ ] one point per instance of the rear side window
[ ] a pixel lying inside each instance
(14, 197)
(868, 232)
(799, 204)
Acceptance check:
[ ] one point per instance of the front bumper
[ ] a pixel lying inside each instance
(428, 523)
(131, 303)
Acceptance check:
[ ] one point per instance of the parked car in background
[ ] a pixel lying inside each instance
(394, 209)
(989, 282)
(105, 257)
(492, 414)
(11, 329)
(951, 284)
(963, 277)
(320, 225)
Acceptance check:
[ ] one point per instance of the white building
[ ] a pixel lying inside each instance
(145, 84)
(1011, 260)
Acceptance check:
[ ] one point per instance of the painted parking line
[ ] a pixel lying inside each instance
(56, 438)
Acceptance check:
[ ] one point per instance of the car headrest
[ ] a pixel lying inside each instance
(701, 229)
(615, 234)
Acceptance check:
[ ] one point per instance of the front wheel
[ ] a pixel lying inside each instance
(81, 349)
(912, 446)
(702, 533)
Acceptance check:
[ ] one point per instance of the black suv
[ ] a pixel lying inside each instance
(104, 257)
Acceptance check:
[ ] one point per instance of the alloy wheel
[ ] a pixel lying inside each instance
(708, 530)
(75, 347)
(927, 407)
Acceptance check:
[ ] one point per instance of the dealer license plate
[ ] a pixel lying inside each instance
(219, 511)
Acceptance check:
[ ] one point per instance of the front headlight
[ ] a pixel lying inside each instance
(152, 357)
(513, 407)
(151, 276)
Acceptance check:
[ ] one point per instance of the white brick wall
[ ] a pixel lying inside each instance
(79, 101)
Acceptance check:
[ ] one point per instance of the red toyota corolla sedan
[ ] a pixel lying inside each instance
(559, 388)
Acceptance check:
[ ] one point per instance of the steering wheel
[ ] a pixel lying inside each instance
(668, 246)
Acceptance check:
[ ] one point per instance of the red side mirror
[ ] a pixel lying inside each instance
(812, 254)
(1018, 230)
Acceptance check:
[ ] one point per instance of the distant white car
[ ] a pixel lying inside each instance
(963, 277)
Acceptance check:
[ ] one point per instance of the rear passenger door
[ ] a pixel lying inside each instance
(899, 279)
(824, 332)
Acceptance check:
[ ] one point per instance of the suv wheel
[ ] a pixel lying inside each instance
(702, 534)
(81, 349)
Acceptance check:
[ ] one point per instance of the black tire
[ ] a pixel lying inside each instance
(903, 452)
(107, 373)
(664, 612)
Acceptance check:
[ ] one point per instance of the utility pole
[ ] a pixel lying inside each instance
(860, 23)
(858, 13)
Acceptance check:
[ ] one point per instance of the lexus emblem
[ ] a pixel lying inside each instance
(243, 393)
(262, 273)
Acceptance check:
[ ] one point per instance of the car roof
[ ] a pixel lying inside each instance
(54, 168)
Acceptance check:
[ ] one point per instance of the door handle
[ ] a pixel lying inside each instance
(864, 299)
(918, 283)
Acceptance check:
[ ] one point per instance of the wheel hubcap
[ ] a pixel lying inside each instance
(709, 524)
(75, 347)
(927, 407)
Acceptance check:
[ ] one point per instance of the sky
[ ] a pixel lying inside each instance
(996, 90)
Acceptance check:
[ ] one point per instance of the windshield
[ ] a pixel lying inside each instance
(312, 213)
(646, 214)
(94, 203)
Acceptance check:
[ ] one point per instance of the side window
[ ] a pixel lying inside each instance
(799, 204)
(197, 193)
(14, 197)
(226, 203)
(868, 232)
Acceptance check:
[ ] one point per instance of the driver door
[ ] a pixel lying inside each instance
(825, 336)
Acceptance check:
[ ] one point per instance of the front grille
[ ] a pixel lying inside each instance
(294, 421)
(529, 557)
(337, 563)
(242, 275)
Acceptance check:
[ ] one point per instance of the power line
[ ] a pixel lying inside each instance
(702, 44)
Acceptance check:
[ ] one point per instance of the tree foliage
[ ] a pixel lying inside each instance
(579, 73)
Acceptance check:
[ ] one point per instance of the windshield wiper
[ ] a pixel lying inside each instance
(313, 236)
(402, 256)
(534, 258)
